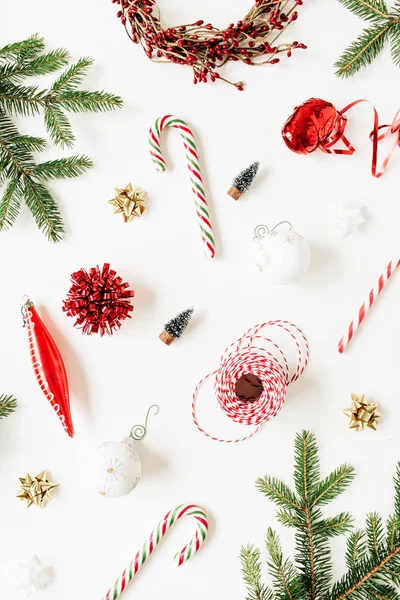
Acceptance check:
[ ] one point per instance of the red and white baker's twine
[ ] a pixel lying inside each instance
(155, 538)
(196, 180)
(259, 355)
(366, 306)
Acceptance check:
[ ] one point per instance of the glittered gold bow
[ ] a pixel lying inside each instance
(362, 414)
(36, 490)
(128, 202)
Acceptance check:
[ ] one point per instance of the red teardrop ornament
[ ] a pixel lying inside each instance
(48, 366)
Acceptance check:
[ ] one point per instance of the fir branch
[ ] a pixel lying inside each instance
(62, 168)
(335, 525)
(286, 580)
(27, 49)
(369, 10)
(58, 126)
(73, 76)
(392, 529)
(375, 535)
(18, 170)
(8, 404)
(289, 518)
(369, 571)
(41, 65)
(356, 549)
(397, 492)
(363, 51)
(278, 492)
(395, 43)
(251, 571)
(386, 25)
(372, 558)
(10, 204)
(306, 464)
(81, 101)
(333, 485)
(44, 209)
(21, 100)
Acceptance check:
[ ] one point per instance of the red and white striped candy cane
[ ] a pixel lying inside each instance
(365, 307)
(155, 538)
(196, 180)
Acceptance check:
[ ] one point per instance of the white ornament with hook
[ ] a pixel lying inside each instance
(281, 254)
(119, 468)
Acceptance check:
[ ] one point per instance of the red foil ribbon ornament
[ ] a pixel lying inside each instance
(99, 299)
(318, 124)
(48, 366)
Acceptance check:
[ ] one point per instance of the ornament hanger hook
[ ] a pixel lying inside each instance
(26, 299)
(139, 431)
(281, 223)
(262, 230)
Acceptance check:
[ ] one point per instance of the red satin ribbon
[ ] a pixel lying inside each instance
(375, 137)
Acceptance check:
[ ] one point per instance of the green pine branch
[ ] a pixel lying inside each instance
(372, 556)
(20, 174)
(8, 404)
(251, 571)
(365, 49)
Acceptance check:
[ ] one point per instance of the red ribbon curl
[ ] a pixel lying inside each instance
(318, 124)
(99, 300)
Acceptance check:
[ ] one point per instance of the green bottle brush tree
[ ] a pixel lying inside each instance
(21, 176)
(372, 557)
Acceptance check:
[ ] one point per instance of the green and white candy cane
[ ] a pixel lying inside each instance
(155, 538)
(196, 180)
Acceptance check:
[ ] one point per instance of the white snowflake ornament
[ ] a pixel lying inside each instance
(119, 468)
(281, 254)
(349, 217)
(32, 577)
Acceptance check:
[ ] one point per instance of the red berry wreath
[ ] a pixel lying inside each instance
(205, 47)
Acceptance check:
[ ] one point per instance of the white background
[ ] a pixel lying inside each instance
(88, 539)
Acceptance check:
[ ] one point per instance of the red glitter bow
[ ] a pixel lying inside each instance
(99, 300)
(318, 124)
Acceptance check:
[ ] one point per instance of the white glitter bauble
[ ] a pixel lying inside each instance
(281, 255)
(119, 468)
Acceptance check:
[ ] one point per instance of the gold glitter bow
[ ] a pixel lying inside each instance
(36, 490)
(128, 202)
(362, 414)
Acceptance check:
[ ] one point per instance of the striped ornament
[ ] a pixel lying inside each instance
(155, 538)
(196, 180)
(366, 306)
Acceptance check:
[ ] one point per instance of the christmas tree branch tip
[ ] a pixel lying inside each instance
(384, 26)
(243, 181)
(22, 177)
(372, 556)
(8, 404)
(176, 326)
